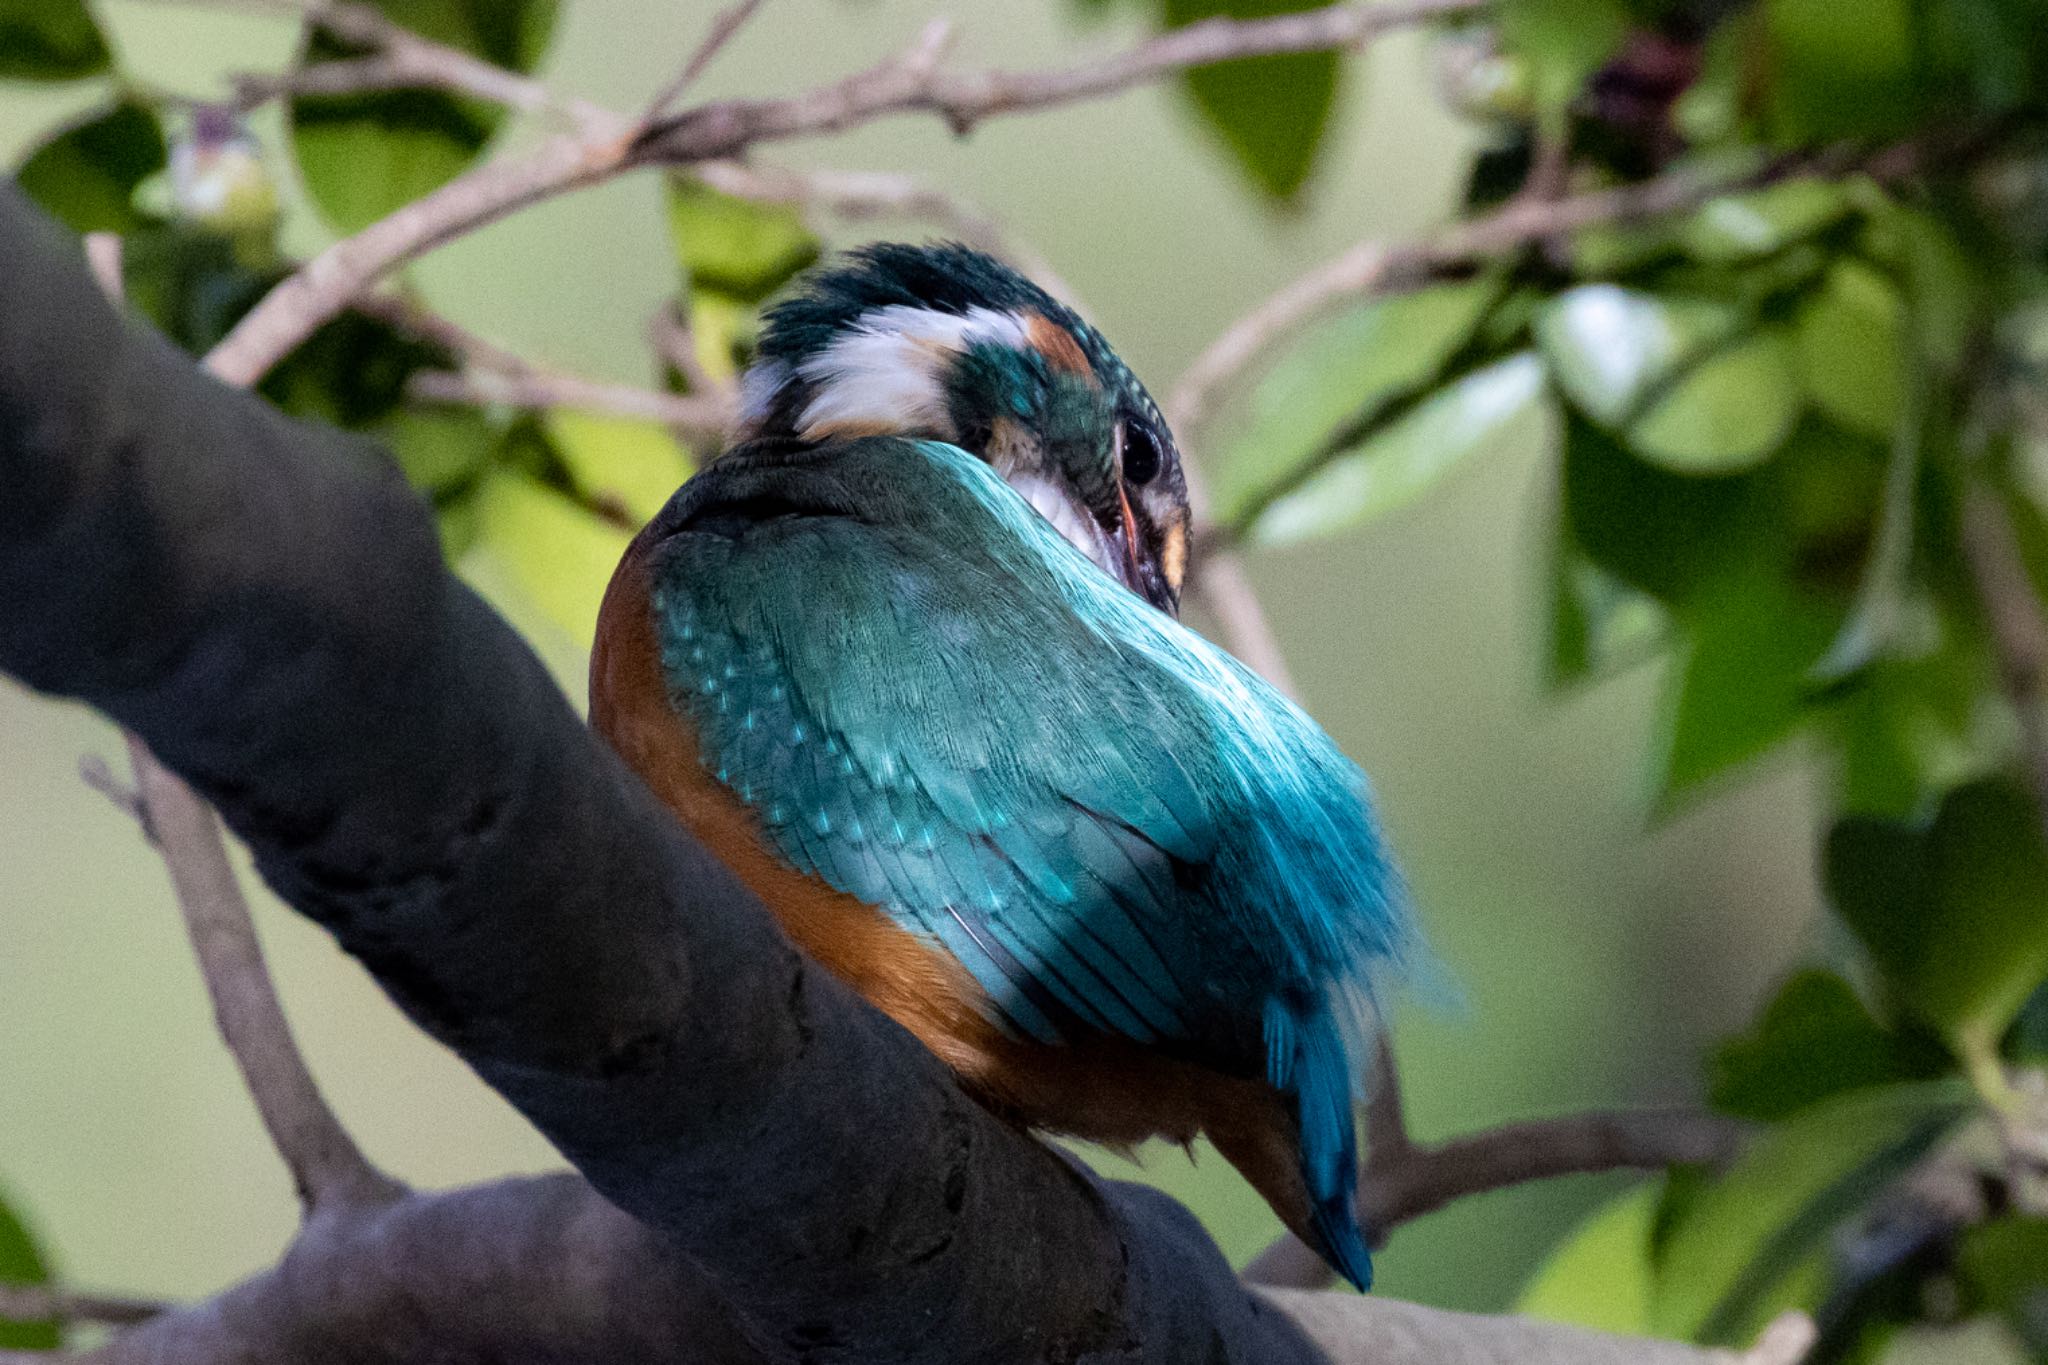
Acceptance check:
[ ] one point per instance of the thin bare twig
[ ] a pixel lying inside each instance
(1371, 269)
(1423, 1178)
(910, 82)
(2019, 632)
(860, 195)
(402, 59)
(48, 1303)
(702, 415)
(724, 26)
(326, 1166)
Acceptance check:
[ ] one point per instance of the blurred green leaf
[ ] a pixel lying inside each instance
(1840, 71)
(560, 555)
(86, 174)
(1745, 684)
(2030, 1030)
(1600, 1275)
(351, 372)
(1598, 623)
(1814, 1039)
(1729, 411)
(50, 40)
(1983, 1341)
(1397, 464)
(1742, 227)
(363, 156)
(619, 462)
(1850, 341)
(21, 1263)
(2003, 1268)
(1563, 42)
(440, 449)
(1955, 913)
(734, 246)
(1914, 727)
(1351, 365)
(1736, 1255)
(1689, 386)
(1271, 112)
(192, 284)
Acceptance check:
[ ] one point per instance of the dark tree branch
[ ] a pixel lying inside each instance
(49, 1303)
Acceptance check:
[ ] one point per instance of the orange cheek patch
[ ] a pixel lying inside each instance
(1173, 555)
(1057, 345)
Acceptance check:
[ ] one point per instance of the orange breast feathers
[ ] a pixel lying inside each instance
(1106, 1089)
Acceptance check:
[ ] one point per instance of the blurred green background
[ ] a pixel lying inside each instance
(1591, 950)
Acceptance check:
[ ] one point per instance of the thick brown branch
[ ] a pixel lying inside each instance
(1422, 1178)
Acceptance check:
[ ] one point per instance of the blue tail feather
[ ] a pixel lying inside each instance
(1306, 1058)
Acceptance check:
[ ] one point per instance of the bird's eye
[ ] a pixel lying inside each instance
(1142, 456)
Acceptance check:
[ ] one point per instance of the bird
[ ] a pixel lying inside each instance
(905, 656)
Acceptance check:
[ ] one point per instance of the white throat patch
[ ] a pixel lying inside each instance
(886, 375)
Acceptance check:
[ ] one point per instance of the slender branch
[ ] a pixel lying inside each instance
(326, 1165)
(964, 98)
(2019, 633)
(1424, 1178)
(402, 59)
(724, 26)
(1372, 269)
(909, 82)
(536, 389)
(49, 1303)
(861, 195)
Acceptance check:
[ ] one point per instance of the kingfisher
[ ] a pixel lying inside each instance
(906, 657)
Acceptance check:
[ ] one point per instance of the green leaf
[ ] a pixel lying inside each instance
(1354, 364)
(1563, 43)
(1955, 913)
(1271, 112)
(1746, 683)
(1690, 384)
(1983, 1341)
(1730, 411)
(50, 40)
(2003, 1268)
(1849, 335)
(1598, 623)
(1739, 1252)
(1600, 1275)
(441, 450)
(1914, 727)
(634, 466)
(22, 1264)
(362, 156)
(1815, 1039)
(1393, 467)
(351, 372)
(86, 174)
(1742, 227)
(1840, 71)
(559, 554)
(741, 249)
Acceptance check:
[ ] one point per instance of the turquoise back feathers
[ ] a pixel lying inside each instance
(935, 703)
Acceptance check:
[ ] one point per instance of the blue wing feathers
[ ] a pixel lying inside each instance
(1110, 823)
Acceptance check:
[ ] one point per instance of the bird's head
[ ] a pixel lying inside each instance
(945, 343)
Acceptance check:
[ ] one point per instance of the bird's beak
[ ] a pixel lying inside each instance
(1141, 574)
